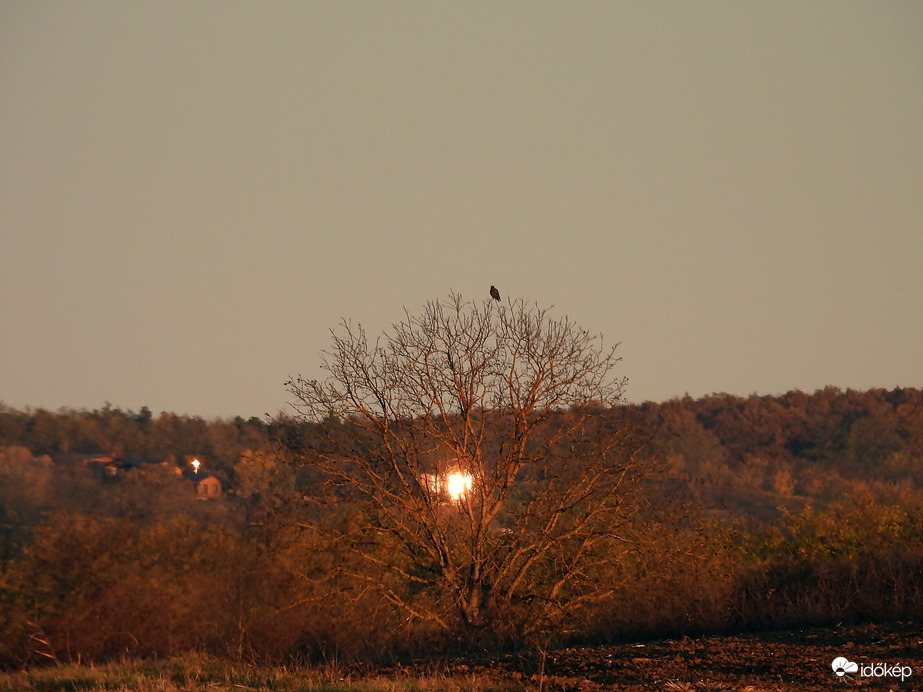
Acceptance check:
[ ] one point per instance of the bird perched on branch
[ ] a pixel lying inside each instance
(494, 293)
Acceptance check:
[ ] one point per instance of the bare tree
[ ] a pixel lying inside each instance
(478, 444)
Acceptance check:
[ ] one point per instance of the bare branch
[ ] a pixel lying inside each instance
(510, 400)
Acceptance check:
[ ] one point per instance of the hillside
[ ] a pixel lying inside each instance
(762, 512)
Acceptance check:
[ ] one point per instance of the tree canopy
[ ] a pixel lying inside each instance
(504, 401)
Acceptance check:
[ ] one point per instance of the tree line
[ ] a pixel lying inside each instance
(133, 434)
(827, 426)
(793, 510)
(751, 451)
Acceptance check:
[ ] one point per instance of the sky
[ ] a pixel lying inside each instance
(193, 194)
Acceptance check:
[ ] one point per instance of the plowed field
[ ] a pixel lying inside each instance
(791, 661)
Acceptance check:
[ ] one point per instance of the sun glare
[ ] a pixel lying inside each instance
(457, 484)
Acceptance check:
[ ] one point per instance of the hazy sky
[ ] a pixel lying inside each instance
(193, 193)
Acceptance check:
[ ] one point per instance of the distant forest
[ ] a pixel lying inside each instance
(754, 452)
(764, 511)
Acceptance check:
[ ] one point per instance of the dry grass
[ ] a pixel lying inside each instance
(198, 674)
(782, 661)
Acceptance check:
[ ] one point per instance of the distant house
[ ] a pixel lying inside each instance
(113, 466)
(207, 486)
(106, 465)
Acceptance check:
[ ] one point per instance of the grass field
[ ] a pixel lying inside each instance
(791, 661)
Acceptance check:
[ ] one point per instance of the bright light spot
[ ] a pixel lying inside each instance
(457, 484)
(196, 464)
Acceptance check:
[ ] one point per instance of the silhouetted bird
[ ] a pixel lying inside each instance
(494, 293)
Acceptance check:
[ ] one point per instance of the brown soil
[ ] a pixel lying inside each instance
(791, 661)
